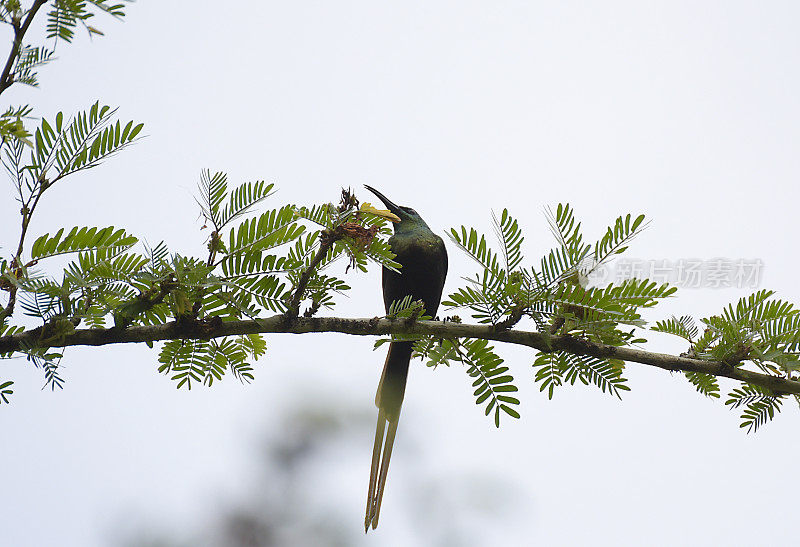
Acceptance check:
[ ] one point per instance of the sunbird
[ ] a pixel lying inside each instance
(423, 260)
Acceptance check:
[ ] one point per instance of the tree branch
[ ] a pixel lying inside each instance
(7, 78)
(542, 341)
(327, 241)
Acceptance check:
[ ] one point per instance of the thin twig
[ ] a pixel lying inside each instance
(327, 239)
(16, 262)
(7, 78)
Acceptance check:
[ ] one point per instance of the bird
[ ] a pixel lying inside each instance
(423, 267)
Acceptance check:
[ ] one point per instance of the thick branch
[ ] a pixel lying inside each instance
(541, 341)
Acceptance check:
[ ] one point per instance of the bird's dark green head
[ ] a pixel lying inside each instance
(408, 216)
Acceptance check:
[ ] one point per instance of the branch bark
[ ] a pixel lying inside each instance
(542, 341)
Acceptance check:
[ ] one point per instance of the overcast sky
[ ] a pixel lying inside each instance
(685, 111)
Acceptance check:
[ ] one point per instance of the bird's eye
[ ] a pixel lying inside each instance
(410, 210)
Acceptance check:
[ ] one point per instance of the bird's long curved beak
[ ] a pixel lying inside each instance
(390, 214)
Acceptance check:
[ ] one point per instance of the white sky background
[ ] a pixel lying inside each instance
(685, 111)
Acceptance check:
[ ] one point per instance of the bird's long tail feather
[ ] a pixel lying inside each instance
(381, 455)
(388, 400)
(387, 455)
